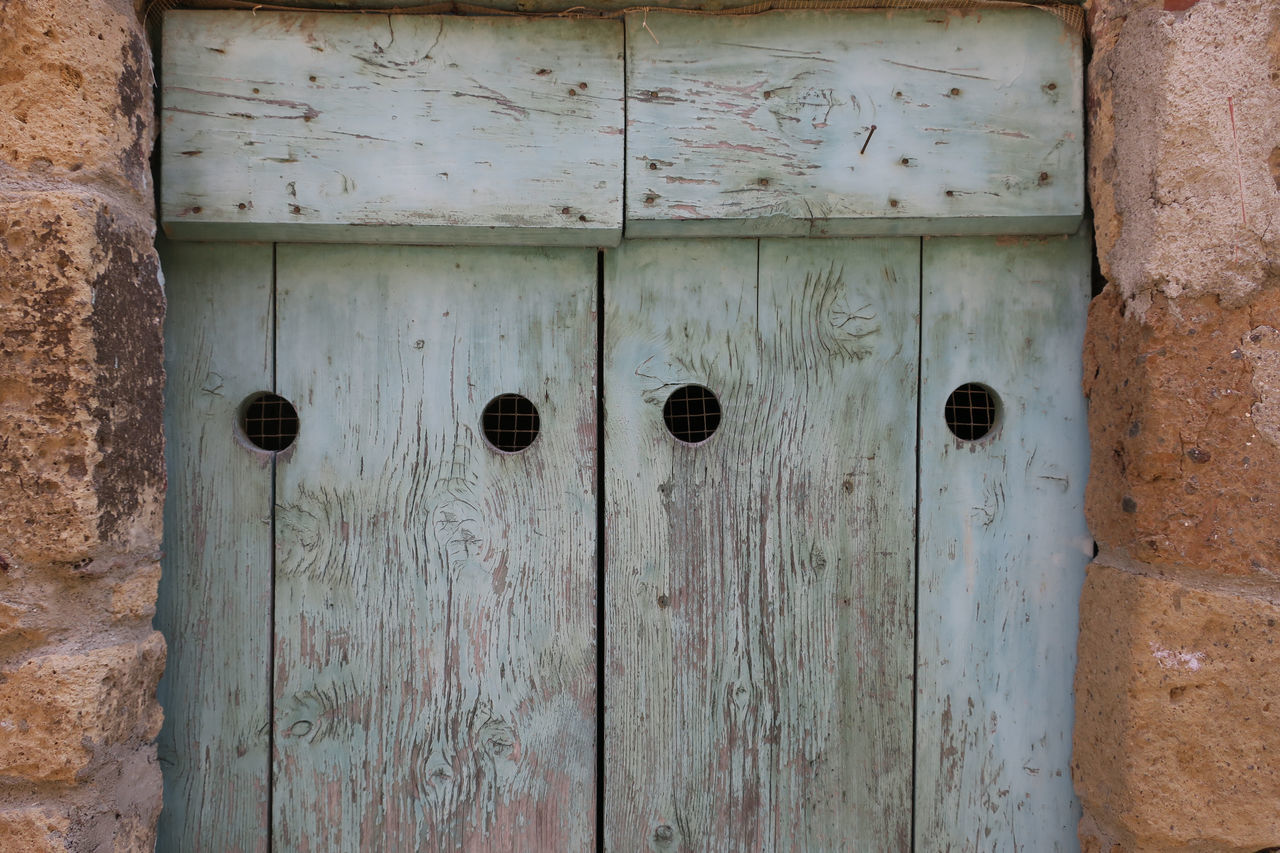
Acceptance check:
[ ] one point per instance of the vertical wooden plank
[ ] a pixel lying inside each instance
(1003, 544)
(759, 587)
(435, 599)
(215, 594)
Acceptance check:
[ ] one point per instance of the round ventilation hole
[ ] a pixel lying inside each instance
(692, 413)
(269, 421)
(510, 422)
(971, 411)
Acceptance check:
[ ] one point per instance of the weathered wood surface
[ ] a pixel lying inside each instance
(215, 595)
(759, 587)
(1003, 545)
(762, 125)
(391, 128)
(435, 599)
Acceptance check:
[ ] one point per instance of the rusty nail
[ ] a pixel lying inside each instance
(955, 92)
(573, 91)
(764, 182)
(893, 202)
(653, 166)
(867, 141)
(565, 211)
(582, 86)
(650, 199)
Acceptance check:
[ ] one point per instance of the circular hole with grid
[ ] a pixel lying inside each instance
(510, 422)
(971, 411)
(269, 421)
(692, 413)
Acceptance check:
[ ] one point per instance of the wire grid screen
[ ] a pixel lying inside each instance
(270, 422)
(510, 422)
(692, 414)
(970, 411)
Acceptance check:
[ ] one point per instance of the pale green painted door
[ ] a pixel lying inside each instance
(831, 625)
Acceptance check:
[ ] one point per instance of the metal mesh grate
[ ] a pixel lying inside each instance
(510, 422)
(692, 413)
(269, 421)
(971, 411)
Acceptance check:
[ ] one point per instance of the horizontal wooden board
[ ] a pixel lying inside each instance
(1003, 544)
(413, 129)
(764, 124)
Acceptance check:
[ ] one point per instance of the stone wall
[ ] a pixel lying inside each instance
(81, 445)
(1178, 699)
(1177, 739)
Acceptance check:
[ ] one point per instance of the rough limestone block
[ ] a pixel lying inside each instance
(1184, 146)
(134, 595)
(1177, 709)
(75, 90)
(1184, 416)
(80, 380)
(65, 712)
(33, 829)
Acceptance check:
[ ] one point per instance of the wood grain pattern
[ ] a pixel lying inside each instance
(391, 128)
(435, 599)
(759, 587)
(1003, 545)
(215, 594)
(763, 125)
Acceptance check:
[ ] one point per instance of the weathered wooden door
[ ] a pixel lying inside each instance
(758, 530)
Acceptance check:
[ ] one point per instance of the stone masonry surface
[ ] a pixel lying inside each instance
(1177, 736)
(81, 443)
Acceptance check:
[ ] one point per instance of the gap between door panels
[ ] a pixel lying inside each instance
(915, 559)
(600, 551)
(271, 603)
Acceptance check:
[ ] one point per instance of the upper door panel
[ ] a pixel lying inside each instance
(483, 130)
